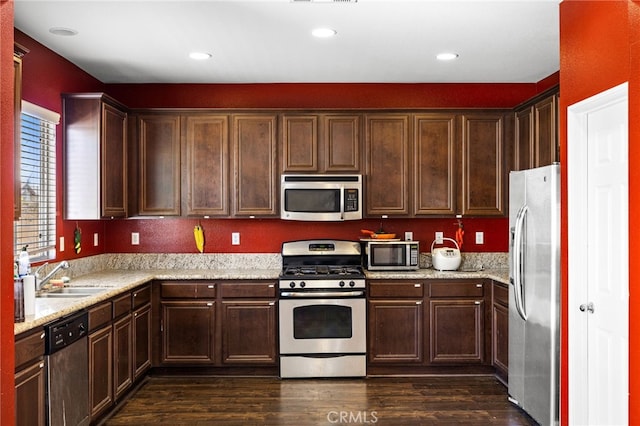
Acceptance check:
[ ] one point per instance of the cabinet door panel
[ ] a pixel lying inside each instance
(500, 350)
(254, 163)
(546, 138)
(188, 332)
(482, 165)
(114, 162)
(122, 341)
(100, 370)
(523, 149)
(249, 332)
(341, 137)
(395, 331)
(30, 395)
(159, 141)
(141, 341)
(435, 164)
(300, 143)
(457, 331)
(206, 151)
(387, 139)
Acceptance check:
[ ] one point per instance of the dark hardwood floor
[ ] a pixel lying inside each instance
(468, 400)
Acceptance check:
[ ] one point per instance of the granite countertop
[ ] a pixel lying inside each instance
(116, 281)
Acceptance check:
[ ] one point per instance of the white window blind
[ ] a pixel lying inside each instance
(36, 227)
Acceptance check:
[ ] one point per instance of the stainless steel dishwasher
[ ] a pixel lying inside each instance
(67, 370)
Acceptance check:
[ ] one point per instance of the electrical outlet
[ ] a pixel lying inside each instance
(408, 236)
(439, 237)
(235, 238)
(61, 245)
(479, 237)
(135, 238)
(95, 239)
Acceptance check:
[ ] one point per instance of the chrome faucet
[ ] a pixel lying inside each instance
(41, 282)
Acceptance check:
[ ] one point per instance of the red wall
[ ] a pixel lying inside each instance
(600, 49)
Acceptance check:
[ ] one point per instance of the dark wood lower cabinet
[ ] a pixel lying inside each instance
(500, 330)
(396, 331)
(100, 370)
(457, 331)
(123, 356)
(30, 395)
(248, 332)
(188, 331)
(141, 322)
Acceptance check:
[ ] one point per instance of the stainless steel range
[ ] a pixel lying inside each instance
(322, 309)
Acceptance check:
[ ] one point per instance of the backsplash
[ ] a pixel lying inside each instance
(141, 261)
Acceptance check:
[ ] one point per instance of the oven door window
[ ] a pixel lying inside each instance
(322, 322)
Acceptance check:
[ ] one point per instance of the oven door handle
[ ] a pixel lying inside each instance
(324, 294)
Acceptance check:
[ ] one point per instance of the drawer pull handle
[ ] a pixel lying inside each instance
(271, 285)
(419, 303)
(209, 304)
(41, 365)
(135, 314)
(478, 285)
(135, 294)
(417, 285)
(42, 335)
(476, 302)
(272, 303)
(211, 286)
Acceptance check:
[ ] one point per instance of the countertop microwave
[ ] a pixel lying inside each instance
(321, 197)
(392, 255)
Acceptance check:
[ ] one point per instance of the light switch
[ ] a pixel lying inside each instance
(479, 237)
(235, 238)
(135, 238)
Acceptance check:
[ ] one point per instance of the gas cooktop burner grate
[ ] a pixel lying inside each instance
(321, 270)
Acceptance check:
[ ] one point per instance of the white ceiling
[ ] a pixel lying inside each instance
(269, 41)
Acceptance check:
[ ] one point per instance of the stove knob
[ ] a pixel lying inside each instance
(292, 284)
(341, 284)
(352, 284)
(302, 284)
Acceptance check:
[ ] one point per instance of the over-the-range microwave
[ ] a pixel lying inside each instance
(320, 197)
(392, 255)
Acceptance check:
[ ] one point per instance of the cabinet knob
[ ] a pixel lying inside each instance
(135, 294)
(41, 365)
(42, 335)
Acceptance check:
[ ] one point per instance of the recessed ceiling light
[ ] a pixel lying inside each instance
(199, 56)
(324, 32)
(63, 31)
(446, 56)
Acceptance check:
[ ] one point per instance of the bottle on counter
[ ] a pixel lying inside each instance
(24, 265)
(18, 296)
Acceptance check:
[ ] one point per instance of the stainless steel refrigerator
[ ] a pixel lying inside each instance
(534, 292)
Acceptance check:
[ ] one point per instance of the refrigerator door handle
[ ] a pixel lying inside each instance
(517, 259)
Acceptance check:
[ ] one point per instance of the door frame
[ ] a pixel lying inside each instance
(578, 249)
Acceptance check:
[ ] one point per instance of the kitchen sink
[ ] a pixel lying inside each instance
(69, 292)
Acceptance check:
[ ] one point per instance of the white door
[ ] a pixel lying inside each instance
(598, 305)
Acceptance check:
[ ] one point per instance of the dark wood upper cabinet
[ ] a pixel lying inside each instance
(536, 132)
(483, 169)
(159, 164)
(387, 163)
(435, 148)
(321, 143)
(205, 151)
(300, 143)
(546, 132)
(95, 155)
(255, 171)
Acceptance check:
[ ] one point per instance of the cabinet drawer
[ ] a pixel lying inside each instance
(29, 348)
(99, 315)
(187, 290)
(240, 290)
(141, 296)
(501, 294)
(457, 289)
(391, 289)
(122, 305)
(178, 290)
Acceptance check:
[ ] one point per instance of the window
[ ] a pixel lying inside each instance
(36, 227)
